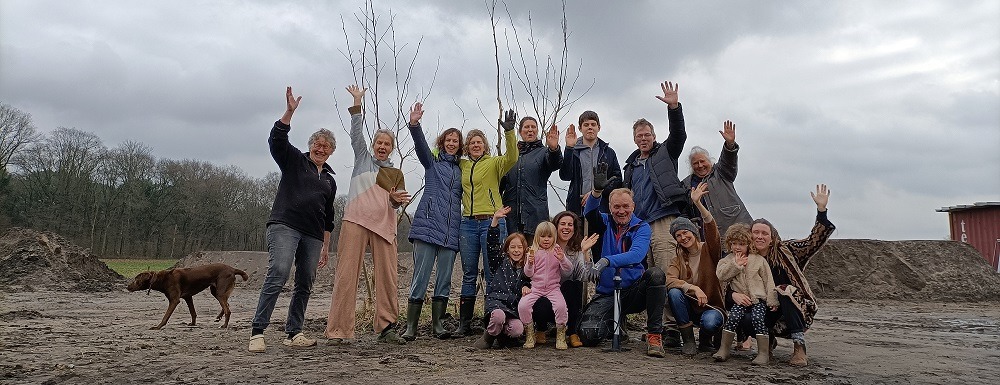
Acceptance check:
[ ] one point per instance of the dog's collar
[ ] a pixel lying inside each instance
(151, 278)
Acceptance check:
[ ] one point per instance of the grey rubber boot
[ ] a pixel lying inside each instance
(439, 306)
(485, 342)
(727, 346)
(763, 350)
(412, 319)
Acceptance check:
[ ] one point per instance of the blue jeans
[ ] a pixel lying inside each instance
(680, 304)
(424, 255)
(287, 247)
(472, 244)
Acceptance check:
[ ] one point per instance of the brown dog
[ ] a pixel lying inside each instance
(186, 282)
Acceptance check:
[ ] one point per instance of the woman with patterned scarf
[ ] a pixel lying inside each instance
(787, 260)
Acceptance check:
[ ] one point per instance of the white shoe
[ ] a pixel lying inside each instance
(257, 344)
(299, 341)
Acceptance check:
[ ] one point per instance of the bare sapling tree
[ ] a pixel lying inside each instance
(548, 84)
(385, 66)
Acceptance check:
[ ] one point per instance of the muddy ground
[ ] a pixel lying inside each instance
(65, 318)
(103, 338)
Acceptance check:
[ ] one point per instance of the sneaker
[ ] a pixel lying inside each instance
(390, 336)
(299, 341)
(257, 344)
(337, 342)
(654, 345)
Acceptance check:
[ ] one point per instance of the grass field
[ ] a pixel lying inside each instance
(129, 268)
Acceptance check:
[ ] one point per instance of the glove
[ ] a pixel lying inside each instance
(601, 180)
(509, 121)
(601, 264)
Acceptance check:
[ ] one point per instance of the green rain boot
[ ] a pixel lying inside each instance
(439, 306)
(412, 319)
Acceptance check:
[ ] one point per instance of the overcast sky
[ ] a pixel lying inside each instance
(894, 105)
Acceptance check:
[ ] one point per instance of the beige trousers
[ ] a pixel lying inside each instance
(350, 255)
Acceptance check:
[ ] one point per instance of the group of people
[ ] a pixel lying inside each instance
(640, 232)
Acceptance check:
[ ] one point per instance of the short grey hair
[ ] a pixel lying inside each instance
(326, 135)
(698, 150)
(383, 131)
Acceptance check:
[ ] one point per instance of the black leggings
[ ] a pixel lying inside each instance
(542, 312)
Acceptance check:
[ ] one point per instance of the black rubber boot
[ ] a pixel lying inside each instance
(439, 306)
(687, 341)
(671, 338)
(707, 341)
(465, 307)
(412, 319)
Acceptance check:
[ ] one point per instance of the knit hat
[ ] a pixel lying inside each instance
(683, 224)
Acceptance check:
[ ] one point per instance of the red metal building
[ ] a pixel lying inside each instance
(978, 225)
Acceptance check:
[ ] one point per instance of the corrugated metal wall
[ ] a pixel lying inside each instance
(979, 227)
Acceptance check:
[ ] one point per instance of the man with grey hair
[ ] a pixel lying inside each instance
(298, 231)
(651, 173)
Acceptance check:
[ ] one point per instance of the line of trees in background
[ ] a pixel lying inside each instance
(124, 202)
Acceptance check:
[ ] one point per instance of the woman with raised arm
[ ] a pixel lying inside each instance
(788, 259)
(376, 192)
(693, 289)
(434, 232)
(298, 231)
(481, 175)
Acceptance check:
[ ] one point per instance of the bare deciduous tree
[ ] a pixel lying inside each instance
(16, 132)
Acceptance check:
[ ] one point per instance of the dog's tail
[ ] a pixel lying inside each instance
(242, 273)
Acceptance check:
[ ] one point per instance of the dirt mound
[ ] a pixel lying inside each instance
(906, 270)
(31, 259)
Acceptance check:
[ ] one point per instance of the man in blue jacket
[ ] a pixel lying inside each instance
(625, 243)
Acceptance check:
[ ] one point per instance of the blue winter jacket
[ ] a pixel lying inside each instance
(624, 246)
(439, 213)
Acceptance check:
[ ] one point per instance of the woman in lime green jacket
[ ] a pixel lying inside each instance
(481, 175)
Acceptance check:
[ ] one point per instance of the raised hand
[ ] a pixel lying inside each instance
(742, 259)
(399, 197)
(669, 94)
(571, 136)
(531, 257)
(552, 138)
(821, 197)
(291, 101)
(728, 132)
(416, 112)
(589, 242)
(357, 92)
(501, 212)
(509, 121)
(698, 192)
(560, 255)
(601, 180)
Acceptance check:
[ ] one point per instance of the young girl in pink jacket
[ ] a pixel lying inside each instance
(546, 264)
